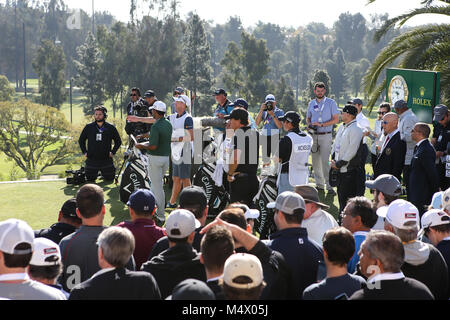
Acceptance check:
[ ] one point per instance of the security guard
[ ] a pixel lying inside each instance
(442, 115)
(345, 148)
(294, 149)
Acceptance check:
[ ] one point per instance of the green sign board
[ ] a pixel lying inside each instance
(420, 89)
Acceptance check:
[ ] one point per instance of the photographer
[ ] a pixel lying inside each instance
(269, 114)
(140, 108)
(98, 153)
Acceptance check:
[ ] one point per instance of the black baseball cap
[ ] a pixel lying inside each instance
(69, 208)
(291, 116)
(238, 114)
(193, 196)
(149, 94)
(220, 91)
(179, 90)
(350, 109)
(357, 101)
(240, 103)
(142, 200)
(191, 289)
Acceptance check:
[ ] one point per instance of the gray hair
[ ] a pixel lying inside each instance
(117, 245)
(386, 247)
(409, 233)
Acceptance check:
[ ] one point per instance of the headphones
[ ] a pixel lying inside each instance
(103, 109)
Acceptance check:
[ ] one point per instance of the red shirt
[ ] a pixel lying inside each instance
(145, 233)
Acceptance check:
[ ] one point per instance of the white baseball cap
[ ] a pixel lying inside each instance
(270, 97)
(436, 201)
(400, 212)
(434, 217)
(381, 211)
(160, 106)
(243, 264)
(250, 213)
(14, 232)
(45, 253)
(183, 98)
(446, 200)
(181, 223)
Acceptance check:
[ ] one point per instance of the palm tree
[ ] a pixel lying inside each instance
(425, 47)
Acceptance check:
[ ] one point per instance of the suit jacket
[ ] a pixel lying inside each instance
(391, 160)
(117, 284)
(423, 178)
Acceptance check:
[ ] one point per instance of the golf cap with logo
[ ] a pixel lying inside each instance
(350, 109)
(238, 114)
(386, 183)
(220, 91)
(192, 289)
(193, 196)
(434, 217)
(310, 194)
(149, 94)
(357, 101)
(446, 200)
(291, 116)
(179, 90)
(181, 223)
(439, 112)
(69, 208)
(240, 103)
(183, 98)
(400, 104)
(436, 201)
(45, 253)
(270, 97)
(287, 202)
(142, 201)
(400, 212)
(242, 265)
(159, 106)
(14, 232)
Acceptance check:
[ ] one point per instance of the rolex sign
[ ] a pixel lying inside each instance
(420, 89)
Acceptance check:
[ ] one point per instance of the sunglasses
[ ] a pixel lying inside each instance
(385, 122)
(133, 95)
(381, 112)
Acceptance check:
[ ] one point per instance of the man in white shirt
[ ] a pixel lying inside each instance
(315, 219)
(364, 124)
(377, 134)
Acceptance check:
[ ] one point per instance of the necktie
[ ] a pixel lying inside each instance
(386, 142)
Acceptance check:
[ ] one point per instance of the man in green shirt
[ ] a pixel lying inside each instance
(158, 148)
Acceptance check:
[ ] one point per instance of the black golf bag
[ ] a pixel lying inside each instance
(265, 225)
(135, 175)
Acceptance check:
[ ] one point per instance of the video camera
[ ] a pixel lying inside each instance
(269, 106)
(213, 122)
(79, 176)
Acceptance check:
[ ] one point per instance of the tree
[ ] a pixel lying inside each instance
(197, 68)
(350, 31)
(336, 70)
(277, 62)
(272, 33)
(33, 136)
(89, 78)
(425, 47)
(285, 96)
(233, 71)
(50, 64)
(6, 91)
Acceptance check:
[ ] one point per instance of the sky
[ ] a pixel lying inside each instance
(286, 13)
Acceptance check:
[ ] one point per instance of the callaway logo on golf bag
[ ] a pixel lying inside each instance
(265, 225)
(135, 175)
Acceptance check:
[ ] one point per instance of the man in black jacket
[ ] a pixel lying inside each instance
(391, 157)
(180, 261)
(114, 282)
(98, 153)
(381, 256)
(423, 176)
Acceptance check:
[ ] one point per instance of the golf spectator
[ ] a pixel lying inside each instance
(446, 201)
(377, 135)
(362, 122)
(176, 93)
(422, 172)
(291, 240)
(180, 261)
(16, 250)
(338, 249)
(45, 264)
(422, 261)
(278, 277)
(114, 282)
(243, 277)
(358, 217)
(381, 255)
(141, 206)
(79, 249)
(68, 222)
(385, 188)
(223, 107)
(242, 103)
(193, 199)
(442, 117)
(249, 214)
(217, 245)
(191, 289)
(315, 219)
(436, 227)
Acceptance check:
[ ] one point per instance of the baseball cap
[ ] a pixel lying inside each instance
(250, 213)
(401, 211)
(192, 289)
(149, 94)
(381, 211)
(350, 109)
(181, 223)
(183, 98)
(387, 184)
(45, 253)
(69, 208)
(291, 116)
(434, 217)
(287, 202)
(310, 194)
(446, 200)
(242, 264)
(193, 196)
(436, 201)
(439, 112)
(14, 232)
(179, 90)
(160, 106)
(270, 97)
(357, 101)
(142, 200)
(238, 114)
(400, 104)
(240, 103)
(220, 91)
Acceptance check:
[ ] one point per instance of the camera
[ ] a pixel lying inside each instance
(313, 128)
(269, 106)
(79, 176)
(213, 122)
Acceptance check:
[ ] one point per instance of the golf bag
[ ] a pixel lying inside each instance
(135, 175)
(265, 225)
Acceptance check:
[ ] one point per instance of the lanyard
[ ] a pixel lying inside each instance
(14, 277)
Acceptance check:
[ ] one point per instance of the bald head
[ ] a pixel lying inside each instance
(391, 124)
